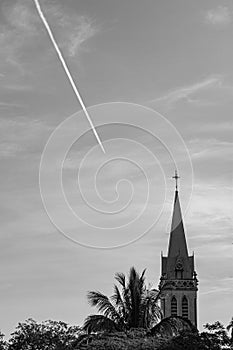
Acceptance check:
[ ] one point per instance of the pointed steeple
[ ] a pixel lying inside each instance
(177, 241)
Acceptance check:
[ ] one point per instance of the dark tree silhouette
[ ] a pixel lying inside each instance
(173, 326)
(2, 342)
(132, 305)
(216, 334)
(56, 335)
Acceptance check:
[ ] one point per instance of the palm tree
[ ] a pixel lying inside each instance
(132, 305)
(230, 327)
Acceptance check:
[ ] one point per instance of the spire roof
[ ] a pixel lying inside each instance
(177, 241)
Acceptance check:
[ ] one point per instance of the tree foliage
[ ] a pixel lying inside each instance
(216, 334)
(230, 329)
(141, 339)
(2, 342)
(57, 335)
(48, 335)
(172, 326)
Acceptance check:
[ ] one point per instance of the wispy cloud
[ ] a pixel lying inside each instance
(210, 148)
(4, 105)
(21, 135)
(22, 36)
(186, 92)
(8, 150)
(83, 31)
(220, 15)
(224, 286)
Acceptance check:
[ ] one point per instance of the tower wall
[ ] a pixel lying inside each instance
(191, 295)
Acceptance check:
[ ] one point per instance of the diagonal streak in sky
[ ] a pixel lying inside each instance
(64, 65)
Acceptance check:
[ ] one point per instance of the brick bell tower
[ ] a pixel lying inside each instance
(178, 282)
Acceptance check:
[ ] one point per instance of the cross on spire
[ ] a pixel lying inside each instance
(176, 177)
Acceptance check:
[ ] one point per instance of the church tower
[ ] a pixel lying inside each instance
(178, 283)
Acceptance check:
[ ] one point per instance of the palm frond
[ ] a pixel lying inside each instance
(133, 275)
(120, 304)
(117, 298)
(99, 323)
(103, 304)
(151, 312)
(136, 288)
(127, 302)
(142, 277)
(120, 277)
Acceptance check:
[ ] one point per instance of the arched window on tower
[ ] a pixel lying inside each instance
(173, 306)
(185, 307)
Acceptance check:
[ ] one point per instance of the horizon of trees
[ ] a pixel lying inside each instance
(58, 335)
(129, 319)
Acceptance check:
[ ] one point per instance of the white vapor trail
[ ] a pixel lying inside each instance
(63, 62)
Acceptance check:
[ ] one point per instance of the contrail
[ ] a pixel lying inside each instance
(63, 62)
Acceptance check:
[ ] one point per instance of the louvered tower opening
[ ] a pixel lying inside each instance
(185, 309)
(173, 306)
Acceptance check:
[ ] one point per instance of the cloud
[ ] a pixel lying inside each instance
(8, 150)
(18, 28)
(220, 15)
(186, 92)
(210, 149)
(83, 31)
(223, 285)
(8, 105)
(21, 17)
(23, 39)
(21, 136)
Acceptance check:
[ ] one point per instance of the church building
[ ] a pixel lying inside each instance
(178, 282)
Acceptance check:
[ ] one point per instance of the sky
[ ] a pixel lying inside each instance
(169, 63)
